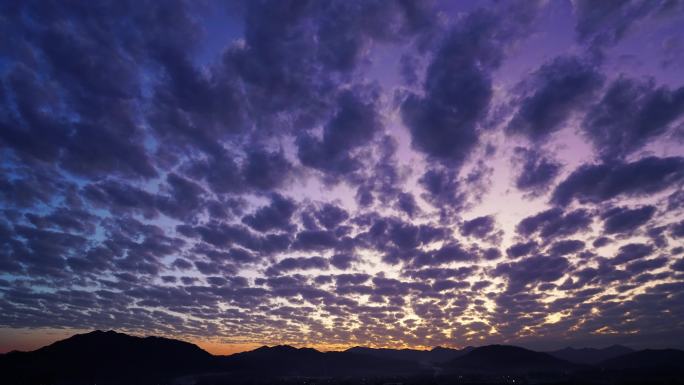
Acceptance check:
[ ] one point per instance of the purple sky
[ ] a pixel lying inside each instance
(339, 173)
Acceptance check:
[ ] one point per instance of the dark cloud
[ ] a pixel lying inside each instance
(353, 125)
(342, 261)
(451, 252)
(276, 215)
(478, 227)
(491, 254)
(631, 252)
(554, 223)
(33, 188)
(532, 270)
(601, 241)
(565, 247)
(315, 240)
(220, 172)
(300, 263)
(677, 230)
(121, 198)
(605, 24)
(638, 267)
(439, 129)
(437, 273)
(595, 183)
(364, 196)
(444, 121)
(407, 204)
(82, 115)
(675, 200)
(678, 265)
(537, 171)
(554, 92)
(185, 199)
(521, 249)
(630, 115)
(443, 188)
(297, 75)
(222, 235)
(266, 170)
(625, 220)
(181, 264)
(184, 168)
(330, 216)
(65, 219)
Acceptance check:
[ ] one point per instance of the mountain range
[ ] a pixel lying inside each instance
(116, 358)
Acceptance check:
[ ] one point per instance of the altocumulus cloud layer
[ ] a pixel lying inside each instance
(344, 172)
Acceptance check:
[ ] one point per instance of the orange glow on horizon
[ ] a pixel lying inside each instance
(33, 339)
(223, 349)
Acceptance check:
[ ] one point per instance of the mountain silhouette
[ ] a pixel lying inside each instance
(590, 356)
(289, 361)
(507, 359)
(101, 356)
(667, 361)
(435, 355)
(116, 358)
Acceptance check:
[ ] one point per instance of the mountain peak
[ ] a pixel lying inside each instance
(590, 355)
(112, 355)
(282, 349)
(506, 358)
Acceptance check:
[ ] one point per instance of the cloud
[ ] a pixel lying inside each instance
(65, 219)
(678, 229)
(450, 252)
(604, 25)
(596, 183)
(478, 227)
(624, 220)
(631, 114)
(554, 223)
(302, 169)
(678, 265)
(325, 41)
(121, 198)
(330, 216)
(443, 188)
(276, 215)
(300, 263)
(444, 121)
(638, 267)
(565, 247)
(407, 204)
(353, 125)
(554, 92)
(532, 270)
(266, 170)
(314, 240)
(521, 249)
(537, 171)
(632, 251)
(342, 261)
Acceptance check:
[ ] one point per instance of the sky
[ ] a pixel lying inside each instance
(341, 173)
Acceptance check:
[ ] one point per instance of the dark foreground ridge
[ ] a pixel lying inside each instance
(115, 358)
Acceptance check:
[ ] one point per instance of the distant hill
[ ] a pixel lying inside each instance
(114, 358)
(436, 355)
(648, 361)
(507, 359)
(590, 356)
(290, 361)
(107, 355)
